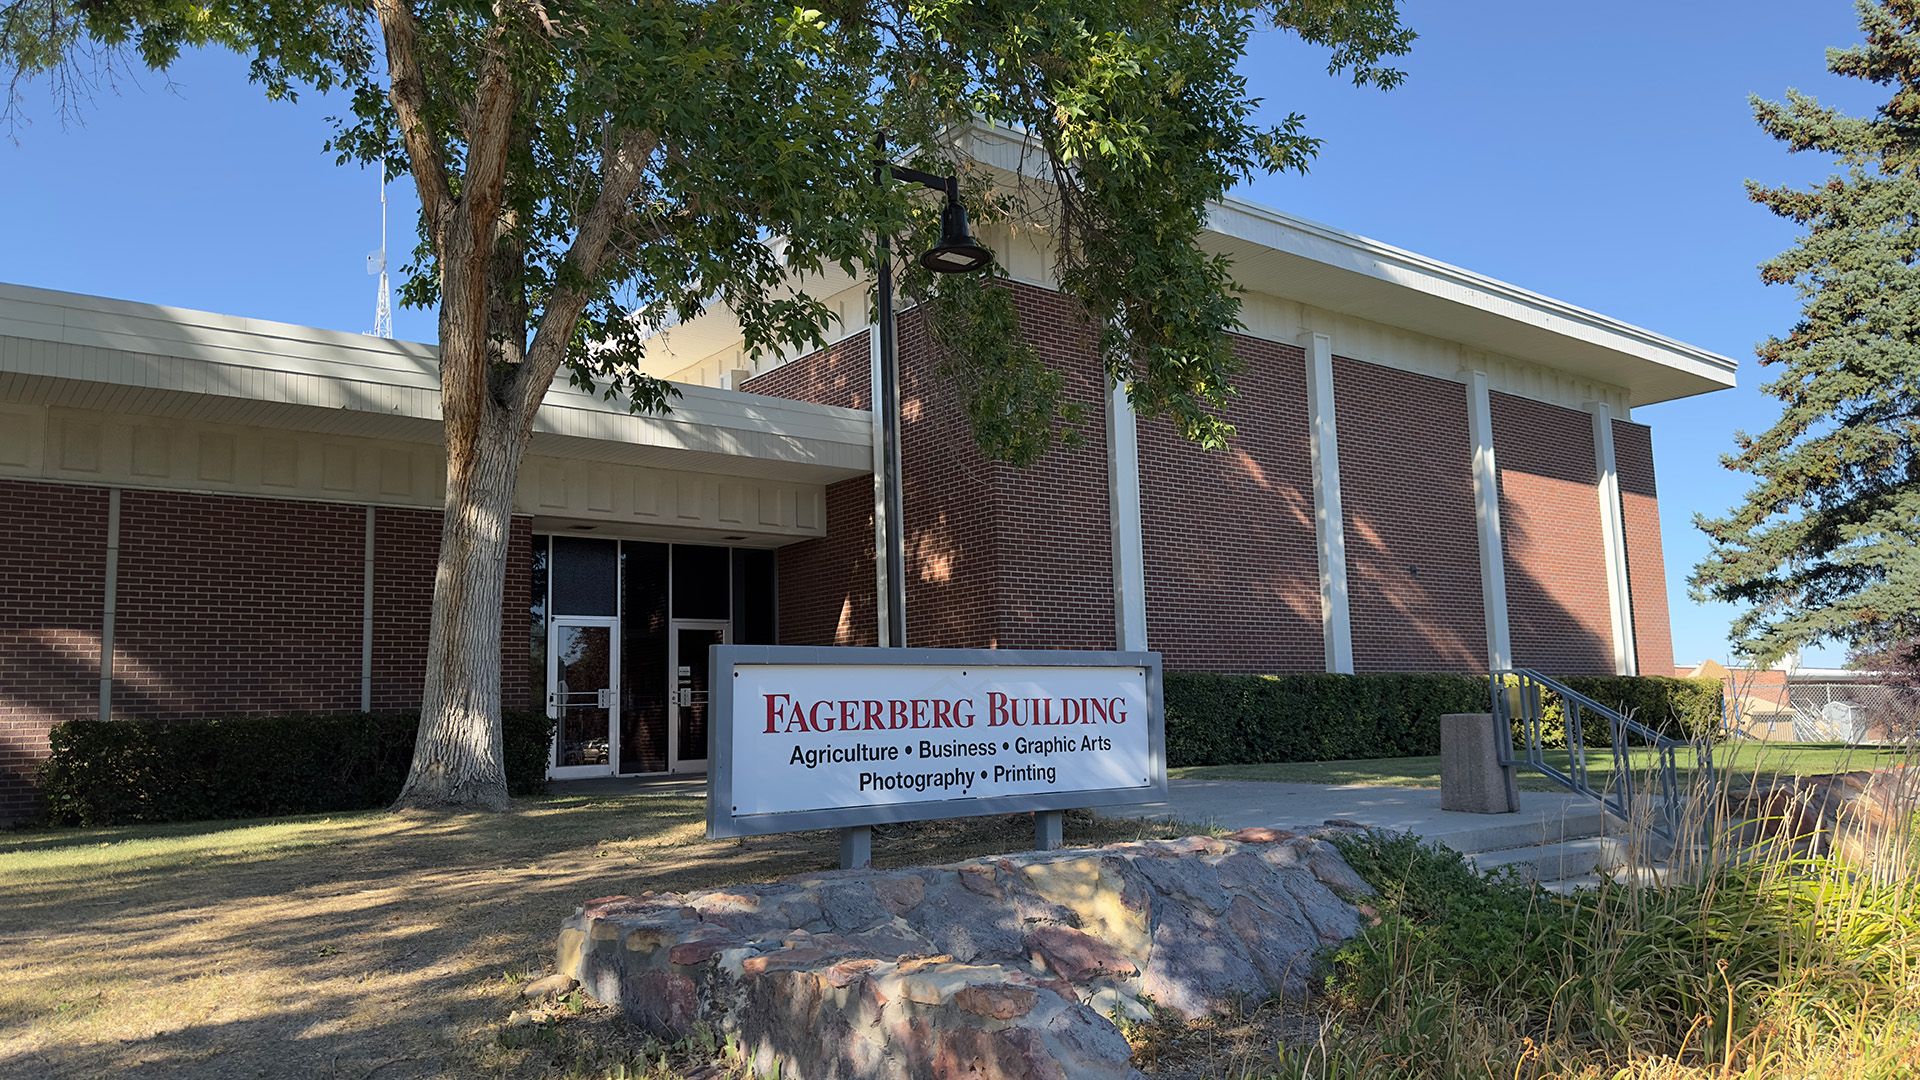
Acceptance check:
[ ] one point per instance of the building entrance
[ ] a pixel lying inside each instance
(638, 617)
(688, 746)
(583, 696)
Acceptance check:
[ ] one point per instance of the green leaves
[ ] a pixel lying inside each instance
(1824, 545)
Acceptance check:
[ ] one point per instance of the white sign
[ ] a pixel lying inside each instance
(932, 740)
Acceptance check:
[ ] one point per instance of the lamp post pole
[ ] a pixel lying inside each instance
(957, 253)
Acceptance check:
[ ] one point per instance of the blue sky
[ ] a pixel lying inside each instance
(1592, 154)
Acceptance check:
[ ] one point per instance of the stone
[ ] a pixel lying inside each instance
(1242, 871)
(936, 985)
(1342, 823)
(980, 879)
(968, 1053)
(1106, 900)
(900, 895)
(1281, 945)
(1001, 1002)
(1077, 956)
(1260, 834)
(1472, 780)
(551, 986)
(784, 960)
(851, 905)
(1086, 1045)
(1198, 967)
(1037, 1057)
(699, 952)
(846, 972)
(968, 924)
(1332, 918)
(1186, 879)
(661, 1003)
(567, 952)
(1333, 872)
(1109, 1002)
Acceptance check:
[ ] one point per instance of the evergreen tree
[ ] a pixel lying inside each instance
(1826, 545)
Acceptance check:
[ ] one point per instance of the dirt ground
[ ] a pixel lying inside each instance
(383, 947)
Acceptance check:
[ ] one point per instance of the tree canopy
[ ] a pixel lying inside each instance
(1826, 544)
(592, 170)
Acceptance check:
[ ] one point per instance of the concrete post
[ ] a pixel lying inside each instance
(1472, 779)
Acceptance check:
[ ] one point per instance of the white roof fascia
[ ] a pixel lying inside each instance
(1485, 313)
(159, 359)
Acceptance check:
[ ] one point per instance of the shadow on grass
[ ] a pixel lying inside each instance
(354, 945)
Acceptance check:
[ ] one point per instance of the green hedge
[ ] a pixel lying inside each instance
(1679, 708)
(1240, 719)
(126, 771)
(1217, 719)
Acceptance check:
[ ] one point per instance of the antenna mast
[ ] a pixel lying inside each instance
(377, 264)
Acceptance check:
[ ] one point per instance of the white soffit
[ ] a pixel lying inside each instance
(1309, 263)
(70, 349)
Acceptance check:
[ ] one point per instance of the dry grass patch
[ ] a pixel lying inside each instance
(367, 946)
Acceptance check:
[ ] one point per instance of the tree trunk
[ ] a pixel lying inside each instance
(457, 760)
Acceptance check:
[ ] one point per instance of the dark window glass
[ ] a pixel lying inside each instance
(643, 658)
(586, 576)
(753, 598)
(537, 628)
(700, 579)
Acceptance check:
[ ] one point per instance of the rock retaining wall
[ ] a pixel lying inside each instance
(996, 967)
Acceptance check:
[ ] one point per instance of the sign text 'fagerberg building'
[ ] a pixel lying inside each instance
(1434, 471)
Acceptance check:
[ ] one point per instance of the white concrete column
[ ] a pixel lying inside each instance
(1613, 538)
(366, 619)
(1329, 520)
(1486, 514)
(881, 592)
(110, 604)
(1123, 514)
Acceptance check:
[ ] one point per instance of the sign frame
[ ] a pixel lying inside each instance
(722, 823)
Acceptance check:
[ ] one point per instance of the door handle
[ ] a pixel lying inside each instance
(686, 697)
(606, 697)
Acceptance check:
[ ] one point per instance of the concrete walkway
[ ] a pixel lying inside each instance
(1236, 804)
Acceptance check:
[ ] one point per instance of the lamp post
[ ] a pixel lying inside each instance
(957, 253)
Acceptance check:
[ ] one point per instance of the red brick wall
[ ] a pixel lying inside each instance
(406, 553)
(1413, 551)
(236, 605)
(1233, 576)
(839, 375)
(1646, 564)
(53, 559)
(1559, 615)
(1000, 557)
(827, 584)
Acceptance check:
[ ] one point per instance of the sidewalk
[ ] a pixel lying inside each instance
(1237, 804)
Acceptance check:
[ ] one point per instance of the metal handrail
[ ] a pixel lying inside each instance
(1522, 691)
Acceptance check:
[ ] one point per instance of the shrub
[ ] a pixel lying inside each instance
(1215, 719)
(126, 771)
(1234, 719)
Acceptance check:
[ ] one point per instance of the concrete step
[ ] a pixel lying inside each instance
(1566, 886)
(1506, 831)
(1556, 861)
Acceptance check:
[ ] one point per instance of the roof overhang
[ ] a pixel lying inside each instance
(1303, 261)
(82, 351)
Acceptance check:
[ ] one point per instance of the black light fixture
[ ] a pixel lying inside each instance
(958, 252)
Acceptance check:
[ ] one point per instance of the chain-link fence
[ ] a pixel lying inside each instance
(1851, 712)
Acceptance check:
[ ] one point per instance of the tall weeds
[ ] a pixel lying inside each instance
(1745, 953)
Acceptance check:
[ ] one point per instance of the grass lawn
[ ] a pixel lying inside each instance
(1736, 762)
(368, 946)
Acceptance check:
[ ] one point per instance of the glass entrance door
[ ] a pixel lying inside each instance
(688, 700)
(583, 695)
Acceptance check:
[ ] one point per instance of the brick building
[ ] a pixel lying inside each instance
(1434, 471)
